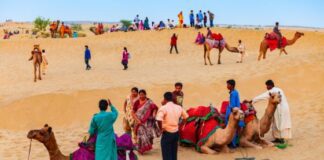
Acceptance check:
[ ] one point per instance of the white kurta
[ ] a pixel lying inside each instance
(281, 127)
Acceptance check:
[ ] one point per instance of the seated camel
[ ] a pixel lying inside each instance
(223, 136)
(256, 129)
(85, 152)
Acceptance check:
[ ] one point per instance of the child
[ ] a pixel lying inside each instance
(241, 49)
(125, 58)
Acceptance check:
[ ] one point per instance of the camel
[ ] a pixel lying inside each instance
(97, 30)
(256, 129)
(37, 61)
(54, 28)
(222, 137)
(46, 136)
(264, 45)
(208, 47)
(65, 30)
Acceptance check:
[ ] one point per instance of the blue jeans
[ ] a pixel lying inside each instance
(211, 23)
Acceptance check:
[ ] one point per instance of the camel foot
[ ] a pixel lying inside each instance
(211, 64)
(205, 64)
(40, 78)
(258, 147)
(35, 80)
(219, 63)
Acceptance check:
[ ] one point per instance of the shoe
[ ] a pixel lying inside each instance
(280, 141)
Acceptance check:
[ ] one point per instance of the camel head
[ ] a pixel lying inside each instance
(275, 98)
(238, 114)
(42, 135)
(299, 34)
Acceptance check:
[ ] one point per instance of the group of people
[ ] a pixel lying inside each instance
(144, 120)
(199, 20)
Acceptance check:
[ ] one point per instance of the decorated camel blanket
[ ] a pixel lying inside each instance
(216, 41)
(250, 112)
(202, 123)
(272, 40)
(86, 149)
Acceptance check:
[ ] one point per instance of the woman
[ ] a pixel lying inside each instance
(146, 24)
(144, 111)
(141, 25)
(125, 58)
(128, 109)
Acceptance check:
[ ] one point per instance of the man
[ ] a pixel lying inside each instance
(44, 62)
(241, 48)
(205, 19)
(277, 31)
(168, 117)
(102, 125)
(173, 43)
(211, 18)
(281, 127)
(192, 19)
(200, 16)
(136, 21)
(177, 94)
(234, 101)
(87, 57)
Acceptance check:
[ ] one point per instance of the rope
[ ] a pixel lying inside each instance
(30, 145)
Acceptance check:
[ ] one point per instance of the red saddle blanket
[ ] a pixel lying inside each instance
(250, 113)
(202, 123)
(272, 40)
(217, 37)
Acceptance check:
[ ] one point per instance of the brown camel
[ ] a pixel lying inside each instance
(208, 46)
(46, 136)
(37, 59)
(53, 28)
(256, 129)
(264, 45)
(222, 137)
(65, 30)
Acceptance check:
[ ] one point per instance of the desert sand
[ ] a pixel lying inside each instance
(67, 96)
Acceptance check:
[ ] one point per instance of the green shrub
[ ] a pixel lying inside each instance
(80, 34)
(126, 23)
(41, 23)
(76, 27)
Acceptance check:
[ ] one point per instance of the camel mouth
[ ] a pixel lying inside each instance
(31, 135)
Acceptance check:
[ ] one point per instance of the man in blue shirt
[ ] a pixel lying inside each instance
(233, 102)
(87, 57)
(200, 16)
(192, 19)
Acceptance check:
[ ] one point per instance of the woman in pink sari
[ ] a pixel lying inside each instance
(146, 128)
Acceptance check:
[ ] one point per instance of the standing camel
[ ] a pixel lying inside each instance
(222, 137)
(256, 129)
(53, 28)
(220, 45)
(265, 44)
(65, 30)
(37, 61)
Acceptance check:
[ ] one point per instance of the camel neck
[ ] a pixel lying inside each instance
(231, 127)
(52, 148)
(292, 41)
(267, 118)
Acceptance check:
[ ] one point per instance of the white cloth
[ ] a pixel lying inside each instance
(281, 127)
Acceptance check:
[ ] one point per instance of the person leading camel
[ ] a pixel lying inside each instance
(234, 102)
(44, 62)
(281, 128)
(102, 125)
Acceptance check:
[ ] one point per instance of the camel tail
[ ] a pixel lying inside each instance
(231, 49)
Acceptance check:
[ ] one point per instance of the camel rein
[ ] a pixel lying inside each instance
(30, 145)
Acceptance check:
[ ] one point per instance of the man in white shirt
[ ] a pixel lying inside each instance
(281, 126)
(241, 48)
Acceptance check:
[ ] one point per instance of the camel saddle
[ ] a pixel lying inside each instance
(273, 40)
(250, 112)
(203, 121)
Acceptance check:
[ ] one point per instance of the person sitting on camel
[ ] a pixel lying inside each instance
(278, 33)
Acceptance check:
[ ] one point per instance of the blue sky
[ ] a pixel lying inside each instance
(254, 12)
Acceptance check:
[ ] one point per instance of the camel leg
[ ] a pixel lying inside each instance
(219, 55)
(35, 77)
(39, 72)
(205, 149)
(264, 54)
(205, 52)
(267, 143)
(208, 55)
(260, 55)
(245, 143)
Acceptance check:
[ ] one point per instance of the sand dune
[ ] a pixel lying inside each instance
(68, 95)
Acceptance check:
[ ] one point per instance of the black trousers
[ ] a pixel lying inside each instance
(173, 46)
(87, 63)
(125, 64)
(169, 145)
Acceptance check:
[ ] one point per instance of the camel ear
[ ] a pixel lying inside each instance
(49, 130)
